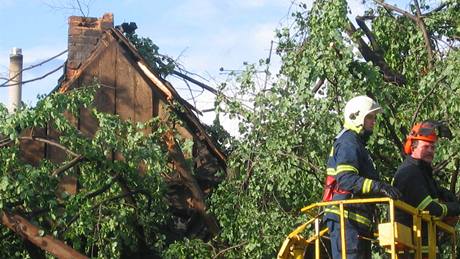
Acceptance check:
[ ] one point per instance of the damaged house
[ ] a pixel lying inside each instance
(134, 91)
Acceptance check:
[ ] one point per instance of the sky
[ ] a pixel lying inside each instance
(203, 35)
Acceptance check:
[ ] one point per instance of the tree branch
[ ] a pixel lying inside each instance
(128, 194)
(362, 24)
(315, 168)
(25, 229)
(426, 37)
(419, 106)
(103, 188)
(441, 165)
(419, 22)
(229, 248)
(5, 142)
(396, 9)
(121, 196)
(114, 198)
(454, 177)
(198, 83)
(388, 125)
(437, 9)
(250, 165)
(318, 85)
(92, 195)
(392, 131)
(388, 74)
(191, 92)
(52, 143)
(80, 9)
(72, 163)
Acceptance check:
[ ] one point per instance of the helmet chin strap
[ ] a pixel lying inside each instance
(357, 129)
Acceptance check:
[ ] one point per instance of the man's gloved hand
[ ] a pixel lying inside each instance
(453, 208)
(386, 189)
(447, 195)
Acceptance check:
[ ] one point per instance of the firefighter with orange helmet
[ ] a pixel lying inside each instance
(414, 178)
(351, 174)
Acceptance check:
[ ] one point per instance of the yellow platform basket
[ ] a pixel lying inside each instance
(402, 236)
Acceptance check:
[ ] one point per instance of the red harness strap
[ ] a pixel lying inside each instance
(330, 188)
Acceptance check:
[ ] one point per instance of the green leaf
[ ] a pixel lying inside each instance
(4, 183)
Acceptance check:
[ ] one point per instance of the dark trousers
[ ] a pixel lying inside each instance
(357, 248)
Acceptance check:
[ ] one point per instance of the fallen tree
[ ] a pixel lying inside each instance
(106, 196)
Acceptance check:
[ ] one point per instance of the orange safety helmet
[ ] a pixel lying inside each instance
(425, 131)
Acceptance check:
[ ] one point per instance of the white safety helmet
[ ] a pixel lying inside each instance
(357, 108)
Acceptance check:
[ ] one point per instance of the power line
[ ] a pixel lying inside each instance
(34, 79)
(5, 84)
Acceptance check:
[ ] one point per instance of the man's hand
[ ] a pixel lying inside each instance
(386, 189)
(447, 195)
(453, 208)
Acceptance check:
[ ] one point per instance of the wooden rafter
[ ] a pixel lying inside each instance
(189, 181)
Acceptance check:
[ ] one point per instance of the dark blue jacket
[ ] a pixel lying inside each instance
(414, 179)
(353, 168)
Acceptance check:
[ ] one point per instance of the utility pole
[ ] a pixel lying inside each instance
(15, 79)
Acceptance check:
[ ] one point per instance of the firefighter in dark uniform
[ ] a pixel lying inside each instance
(351, 174)
(414, 178)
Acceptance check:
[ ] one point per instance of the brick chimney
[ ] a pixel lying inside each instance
(84, 34)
